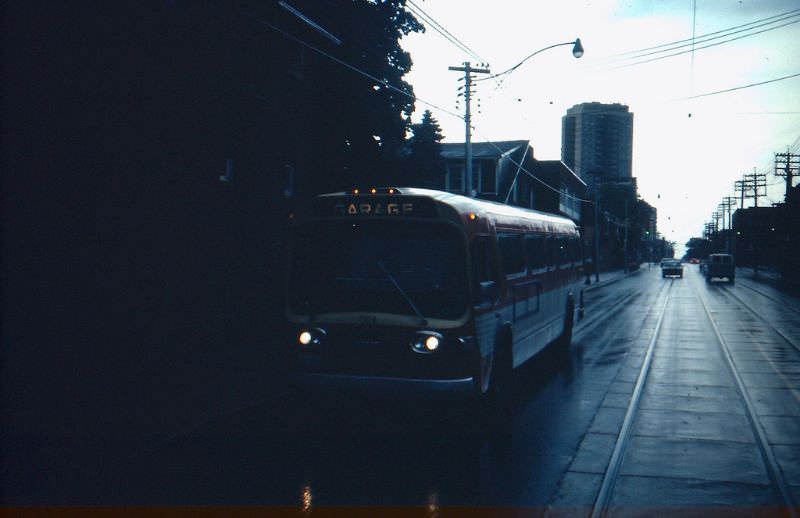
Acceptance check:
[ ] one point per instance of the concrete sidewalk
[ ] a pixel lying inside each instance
(771, 277)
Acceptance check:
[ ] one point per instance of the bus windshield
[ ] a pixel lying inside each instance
(399, 267)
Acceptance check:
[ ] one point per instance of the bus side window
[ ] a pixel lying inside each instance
(511, 253)
(562, 252)
(549, 252)
(482, 260)
(534, 246)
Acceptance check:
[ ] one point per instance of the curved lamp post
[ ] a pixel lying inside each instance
(577, 51)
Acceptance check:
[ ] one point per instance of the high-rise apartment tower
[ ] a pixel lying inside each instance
(597, 139)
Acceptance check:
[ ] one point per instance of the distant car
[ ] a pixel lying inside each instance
(720, 266)
(694, 260)
(671, 268)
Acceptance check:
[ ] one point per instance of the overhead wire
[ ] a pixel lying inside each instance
(347, 65)
(415, 9)
(702, 47)
(388, 85)
(401, 91)
(742, 87)
(666, 47)
(443, 110)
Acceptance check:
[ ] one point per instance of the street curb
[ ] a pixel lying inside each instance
(611, 281)
(790, 286)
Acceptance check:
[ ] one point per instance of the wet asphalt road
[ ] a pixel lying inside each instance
(713, 419)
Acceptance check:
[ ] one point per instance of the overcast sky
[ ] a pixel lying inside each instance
(690, 162)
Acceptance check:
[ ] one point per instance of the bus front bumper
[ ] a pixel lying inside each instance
(387, 384)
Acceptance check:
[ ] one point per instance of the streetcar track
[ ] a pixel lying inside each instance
(618, 305)
(787, 306)
(774, 472)
(762, 319)
(603, 497)
(771, 465)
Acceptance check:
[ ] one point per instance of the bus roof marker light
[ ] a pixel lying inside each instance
(373, 190)
(355, 191)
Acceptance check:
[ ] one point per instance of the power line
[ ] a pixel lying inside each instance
(742, 87)
(704, 40)
(704, 47)
(347, 65)
(533, 176)
(417, 10)
(417, 99)
(723, 32)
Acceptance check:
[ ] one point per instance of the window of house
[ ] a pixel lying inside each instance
(455, 178)
(488, 178)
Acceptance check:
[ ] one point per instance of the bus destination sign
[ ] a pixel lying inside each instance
(361, 208)
(366, 206)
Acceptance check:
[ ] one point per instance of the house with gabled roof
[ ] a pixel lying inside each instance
(508, 172)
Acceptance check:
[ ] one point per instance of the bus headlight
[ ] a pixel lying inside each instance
(426, 342)
(312, 336)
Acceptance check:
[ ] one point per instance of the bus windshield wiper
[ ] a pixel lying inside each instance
(422, 319)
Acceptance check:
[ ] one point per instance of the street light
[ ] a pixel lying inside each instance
(577, 51)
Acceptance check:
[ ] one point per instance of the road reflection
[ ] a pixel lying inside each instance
(369, 449)
(324, 447)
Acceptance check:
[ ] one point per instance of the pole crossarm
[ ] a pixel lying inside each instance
(786, 166)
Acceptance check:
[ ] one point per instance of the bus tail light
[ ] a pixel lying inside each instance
(311, 336)
(426, 342)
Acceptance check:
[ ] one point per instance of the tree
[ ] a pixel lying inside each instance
(358, 123)
(698, 248)
(425, 164)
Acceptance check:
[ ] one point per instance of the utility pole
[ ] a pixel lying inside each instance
(755, 182)
(786, 165)
(727, 203)
(740, 186)
(468, 71)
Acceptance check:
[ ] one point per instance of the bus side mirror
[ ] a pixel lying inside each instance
(488, 292)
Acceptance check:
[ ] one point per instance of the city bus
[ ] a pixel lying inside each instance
(417, 288)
